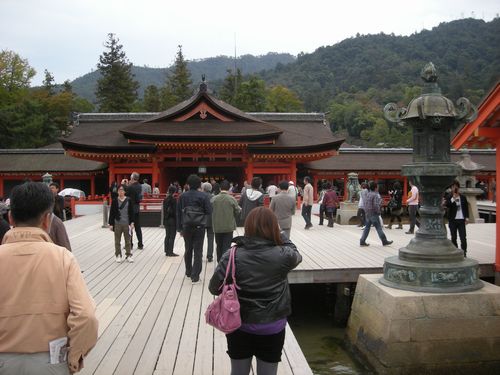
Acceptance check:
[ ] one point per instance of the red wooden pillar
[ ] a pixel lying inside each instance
(315, 185)
(111, 173)
(1, 187)
(405, 189)
(249, 170)
(154, 172)
(293, 171)
(61, 183)
(92, 185)
(497, 256)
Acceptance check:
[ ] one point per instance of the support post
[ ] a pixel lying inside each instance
(497, 225)
(92, 185)
(162, 224)
(105, 208)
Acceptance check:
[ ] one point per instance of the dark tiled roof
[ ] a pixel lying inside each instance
(44, 160)
(206, 130)
(363, 159)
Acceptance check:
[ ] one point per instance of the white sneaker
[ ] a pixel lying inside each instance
(130, 259)
(118, 259)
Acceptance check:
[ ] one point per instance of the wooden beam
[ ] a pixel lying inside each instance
(490, 133)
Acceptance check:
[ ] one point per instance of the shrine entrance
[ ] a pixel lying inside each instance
(206, 173)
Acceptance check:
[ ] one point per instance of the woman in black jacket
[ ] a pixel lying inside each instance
(169, 221)
(121, 221)
(263, 260)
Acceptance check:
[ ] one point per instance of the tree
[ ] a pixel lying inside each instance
(48, 82)
(15, 72)
(281, 99)
(252, 95)
(116, 89)
(152, 99)
(179, 81)
(231, 86)
(67, 87)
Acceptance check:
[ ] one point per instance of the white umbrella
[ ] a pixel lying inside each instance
(72, 193)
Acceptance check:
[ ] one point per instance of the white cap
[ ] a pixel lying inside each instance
(291, 183)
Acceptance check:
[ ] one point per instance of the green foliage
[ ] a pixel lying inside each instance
(381, 135)
(231, 86)
(152, 99)
(282, 99)
(15, 72)
(252, 95)
(214, 68)
(167, 98)
(116, 89)
(48, 82)
(179, 81)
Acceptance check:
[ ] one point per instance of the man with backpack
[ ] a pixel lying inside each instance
(192, 210)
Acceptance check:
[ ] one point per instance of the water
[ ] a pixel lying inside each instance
(322, 343)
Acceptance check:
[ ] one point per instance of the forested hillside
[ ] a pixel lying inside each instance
(214, 68)
(355, 78)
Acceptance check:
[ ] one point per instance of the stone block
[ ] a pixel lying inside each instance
(403, 332)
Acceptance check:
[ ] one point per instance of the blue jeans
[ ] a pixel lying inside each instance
(306, 214)
(375, 221)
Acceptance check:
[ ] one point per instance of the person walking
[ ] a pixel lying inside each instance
(458, 216)
(170, 221)
(57, 233)
(134, 192)
(58, 200)
(373, 202)
(361, 205)
(263, 260)
(206, 187)
(412, 203)
(331, 201)
(322, 211)
(396, 205)
(121, 222)
(192, 210)
(43, 295)
(252, 198)
(283, 206)
(307, 202)
(225, 212)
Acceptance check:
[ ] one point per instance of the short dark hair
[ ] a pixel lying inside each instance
(54, 184)
(261, 222)
(307, 178)
(256, 182)
(372, 185)
(172, 189)
(194, 182)
(328, 185)
(284, 185)
(29, 202)
(224, 185)
(145, 181)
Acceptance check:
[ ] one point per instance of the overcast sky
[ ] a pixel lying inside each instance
(66, 36)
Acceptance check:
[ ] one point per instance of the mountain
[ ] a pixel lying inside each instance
(214, 69)
(466, 53)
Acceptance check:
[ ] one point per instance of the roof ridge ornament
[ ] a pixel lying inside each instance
(203, 84)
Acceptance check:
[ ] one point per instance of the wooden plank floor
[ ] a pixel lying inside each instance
(151, 316)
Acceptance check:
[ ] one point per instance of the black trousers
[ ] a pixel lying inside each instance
(170, 233)
(138, 231)
(193, 242)
(458, 225)
(322, 212)
(361, 216)
(267, 348)
(223, 241)
(210, 243)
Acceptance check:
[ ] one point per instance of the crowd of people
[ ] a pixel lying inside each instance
(37, 245)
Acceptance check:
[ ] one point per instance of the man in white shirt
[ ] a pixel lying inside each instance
(412, 203)
(307, 202)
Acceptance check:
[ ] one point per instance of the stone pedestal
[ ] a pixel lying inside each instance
(404, 332)
(347, 211)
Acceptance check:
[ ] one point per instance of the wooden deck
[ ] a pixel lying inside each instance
(152, 318)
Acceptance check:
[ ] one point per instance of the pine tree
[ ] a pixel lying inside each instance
(48, 82)
(179, 81)
(231, 86)
(152, 99)
(116, 89)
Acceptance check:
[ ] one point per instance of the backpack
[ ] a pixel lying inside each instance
(194, 216)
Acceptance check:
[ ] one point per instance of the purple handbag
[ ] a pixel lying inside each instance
(224, 312)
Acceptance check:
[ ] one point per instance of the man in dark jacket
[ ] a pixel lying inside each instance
(170, 220)
(195, 206)
(58, 200)
(458, 216)
(134, 192)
